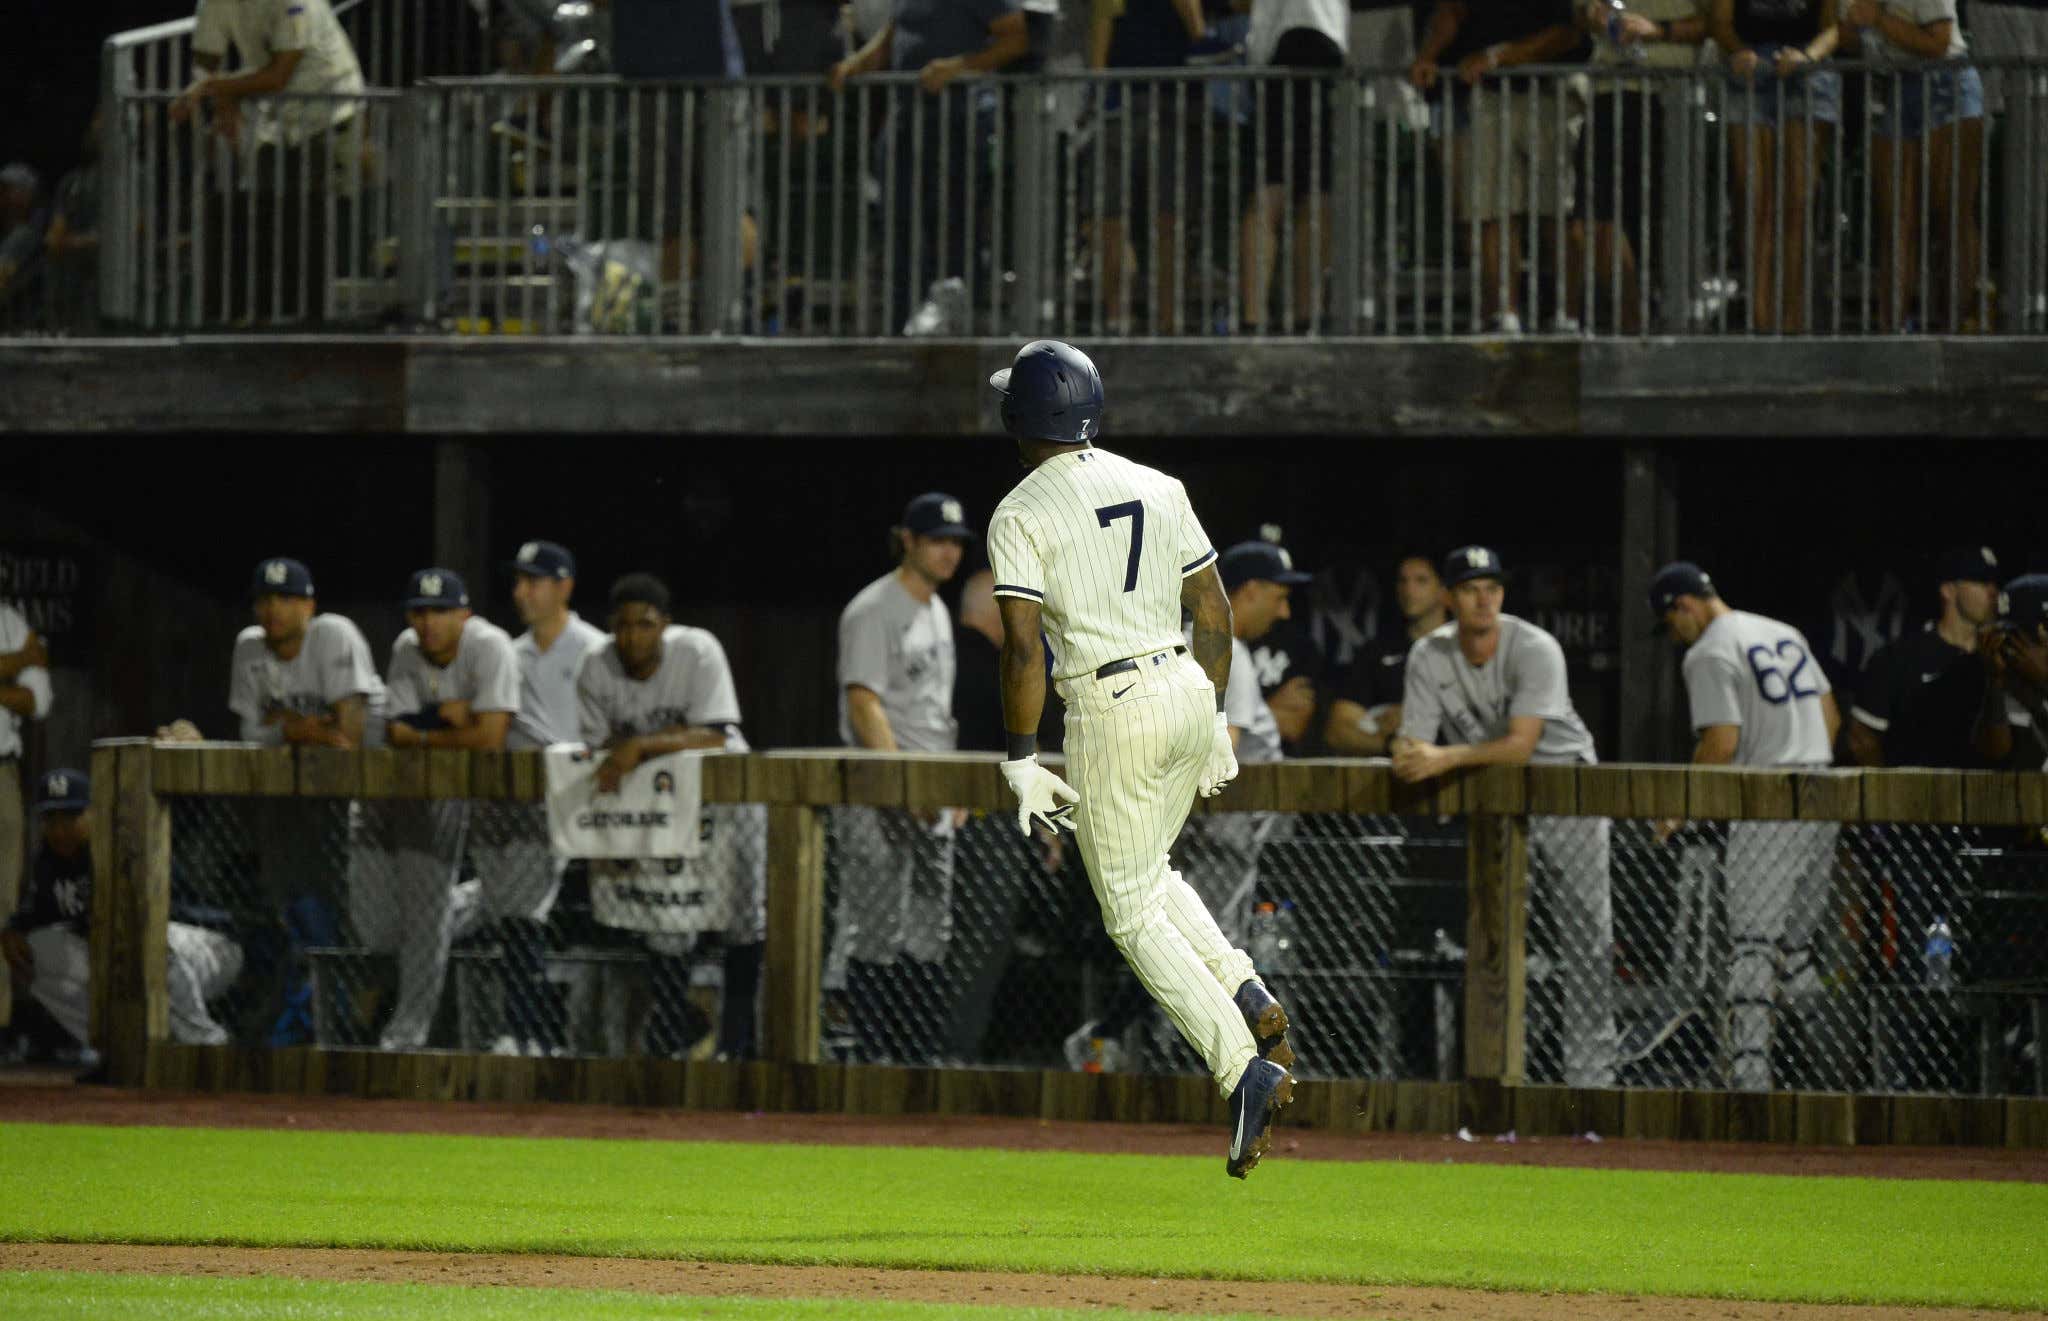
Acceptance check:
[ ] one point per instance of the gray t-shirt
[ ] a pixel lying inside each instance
(901, 649)
(333, 664)
(1448, 700)
(929, 29)
(1756, 673)
(547, 684)
(692, 686)
(483, 673)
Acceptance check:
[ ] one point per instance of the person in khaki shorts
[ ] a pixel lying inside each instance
(1507, 142)
(24, 696)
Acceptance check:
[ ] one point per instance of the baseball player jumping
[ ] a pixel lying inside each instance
(1758, 698)
(1102, 554)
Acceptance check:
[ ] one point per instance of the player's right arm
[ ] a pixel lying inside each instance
(1712, 690)
(869, 721)
(1203, 597)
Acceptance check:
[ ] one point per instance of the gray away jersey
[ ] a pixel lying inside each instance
(1102, 544)
(333, 664)
(1448, 699)
(692, 686)
(901, 649)
(1756, 673)
(547, 684)
(483, 673)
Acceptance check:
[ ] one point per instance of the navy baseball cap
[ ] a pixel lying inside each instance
(435, 589)
(1676, 579)
(544, 559)
(1468, 562)
(936, 514)
(2023, 603)
(1967, 564)
(281, 577)
(1257, 561)
(63, 790)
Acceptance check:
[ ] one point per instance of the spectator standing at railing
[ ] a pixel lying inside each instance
(1942, 108)
(1758, 698)
(295, 153)
(1626, 145)
(520, 877)
(929, 173)
(73, 240)
(1917, 702)
(1474, 41)
(1777, 92)
(1293, 124)
(2004, 30)
(2016, 661)
(893, 921)
(1148, 35)
(1489, 689)
(454, 683)
(24, 215)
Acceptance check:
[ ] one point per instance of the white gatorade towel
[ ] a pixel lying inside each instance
(654, 814)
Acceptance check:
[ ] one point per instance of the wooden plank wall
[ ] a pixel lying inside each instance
(132, 860)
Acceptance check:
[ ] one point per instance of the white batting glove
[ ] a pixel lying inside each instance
(1221, 767)
(1038, 793)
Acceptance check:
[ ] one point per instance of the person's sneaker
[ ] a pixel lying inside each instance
(1260, 1093)
(1267, 1020)
(1088, 1051)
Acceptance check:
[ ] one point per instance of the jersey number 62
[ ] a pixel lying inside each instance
(1778, 684)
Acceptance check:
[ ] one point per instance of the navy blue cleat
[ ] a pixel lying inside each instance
(1267, 1020)
(1263, 1090)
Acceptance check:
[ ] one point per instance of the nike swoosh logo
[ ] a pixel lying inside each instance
(1121, 691)
(1392, 660)
(1237, 1138)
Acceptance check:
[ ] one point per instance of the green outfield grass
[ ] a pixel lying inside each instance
(50, 1295)
(1811, 1239)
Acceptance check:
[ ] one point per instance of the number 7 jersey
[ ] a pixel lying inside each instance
(1754, 672)
(1102, 544)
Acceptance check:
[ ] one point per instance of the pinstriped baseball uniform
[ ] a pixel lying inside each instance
(1103, 544)
(1447, 699)
(1221, 852)
(1760, 675)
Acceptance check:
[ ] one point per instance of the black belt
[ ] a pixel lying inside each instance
(1127, 666)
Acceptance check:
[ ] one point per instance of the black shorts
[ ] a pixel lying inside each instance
(1295, 114)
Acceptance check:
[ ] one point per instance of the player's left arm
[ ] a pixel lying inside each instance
(1022, 674)
(1415, 760)
(1716, 745)
(1202, 596)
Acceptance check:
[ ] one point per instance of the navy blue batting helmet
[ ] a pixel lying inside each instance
(1051, 392)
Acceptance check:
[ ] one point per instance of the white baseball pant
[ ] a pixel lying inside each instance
(1135, 745)
(199, 965)
(403, 898)
(1775, 883)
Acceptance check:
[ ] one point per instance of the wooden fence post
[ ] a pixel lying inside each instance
(1497, 922)
(131, 909)
(793, 963)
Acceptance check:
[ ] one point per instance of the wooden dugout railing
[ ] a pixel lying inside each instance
(132, 852)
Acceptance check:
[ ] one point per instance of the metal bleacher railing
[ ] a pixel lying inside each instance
(1517, 927)
(1195, 202)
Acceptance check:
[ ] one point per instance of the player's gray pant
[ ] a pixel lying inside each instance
(520, 876)
(1776, 879)
(738, 851)
(403, 899)
(1569, 882)
(199, 965)
(895, 882)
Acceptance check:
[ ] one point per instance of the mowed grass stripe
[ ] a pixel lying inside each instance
(1748, 1236)
(67, 1295)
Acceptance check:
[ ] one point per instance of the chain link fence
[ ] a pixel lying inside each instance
(1747, 955)
(404, 924)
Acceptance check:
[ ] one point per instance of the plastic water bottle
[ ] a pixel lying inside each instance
(1941, 956)
(1287, 926)
(1263, 942)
